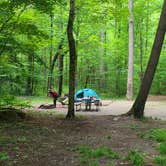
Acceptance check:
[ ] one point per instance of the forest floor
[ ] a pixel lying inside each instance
(45, 138)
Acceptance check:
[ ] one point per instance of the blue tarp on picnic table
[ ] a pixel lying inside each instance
(85, 93)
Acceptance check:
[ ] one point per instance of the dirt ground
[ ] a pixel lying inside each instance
(155, 107)
(45, 138)
(49, 141)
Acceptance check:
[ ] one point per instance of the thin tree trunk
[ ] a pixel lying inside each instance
(72, 65)
(57, 54)
(77, 31)
(29, 88)
(141, 55)
(117, 35)
(101, 51)
(51, 52)
(139, 104)
(147, 27)
(60, 74)
(60, 77)
(129, 93)
(45, 72)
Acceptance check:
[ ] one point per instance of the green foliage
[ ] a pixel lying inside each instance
(162, 148)
(88, 154)
(12, 101)
(159, 160)
(4, 156)
(135, 158)
(156, 134)
(25, 32)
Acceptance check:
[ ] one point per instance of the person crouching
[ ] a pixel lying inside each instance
(54, 95)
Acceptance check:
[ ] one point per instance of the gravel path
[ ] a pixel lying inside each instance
(154, 109)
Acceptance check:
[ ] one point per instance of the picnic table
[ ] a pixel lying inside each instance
(87, 102)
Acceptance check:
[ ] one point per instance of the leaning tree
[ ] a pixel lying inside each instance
(139, 104)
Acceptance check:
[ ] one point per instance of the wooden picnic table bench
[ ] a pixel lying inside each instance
(88, 104)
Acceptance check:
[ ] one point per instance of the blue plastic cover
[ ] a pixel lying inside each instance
(82, 93)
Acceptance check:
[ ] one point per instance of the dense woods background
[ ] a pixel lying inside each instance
(34, 53)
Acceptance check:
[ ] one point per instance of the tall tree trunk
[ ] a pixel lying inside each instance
(60, 74)
(102, 52)
(129, 93)
(45, 72)
(29, 88)
(72, 65)
(54, 59)
(147, 27)
(117, 35)
(51, 52)
(60, 77)
(141, 54)
(77, 31)
(139, 104)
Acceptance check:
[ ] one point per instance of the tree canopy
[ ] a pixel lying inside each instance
(101, 37)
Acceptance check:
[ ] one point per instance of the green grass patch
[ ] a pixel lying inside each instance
(136, 158)
(7, 140)
(4, 141)
(133, 127)
(23, 126)
(160, 160)
(6, 125)
(162, 148)
(157, 134)
(89, 155)
(4, 156)
(12, 101)
(38, 99)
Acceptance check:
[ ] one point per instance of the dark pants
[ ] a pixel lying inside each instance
(55, 99)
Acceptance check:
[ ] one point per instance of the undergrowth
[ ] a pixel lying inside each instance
(158, 135)
(136, 158)
(90, 156)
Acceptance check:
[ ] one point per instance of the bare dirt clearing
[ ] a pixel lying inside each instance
(155, 107)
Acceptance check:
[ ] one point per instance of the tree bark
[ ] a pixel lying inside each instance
(29, 88)
(101, 53)
(57, 54)
(72, 65)
(139, 104)
(60, 79)
(51, 50)
(129, 93)
(141, 55)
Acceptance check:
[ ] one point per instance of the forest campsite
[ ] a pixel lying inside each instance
(82, 83)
